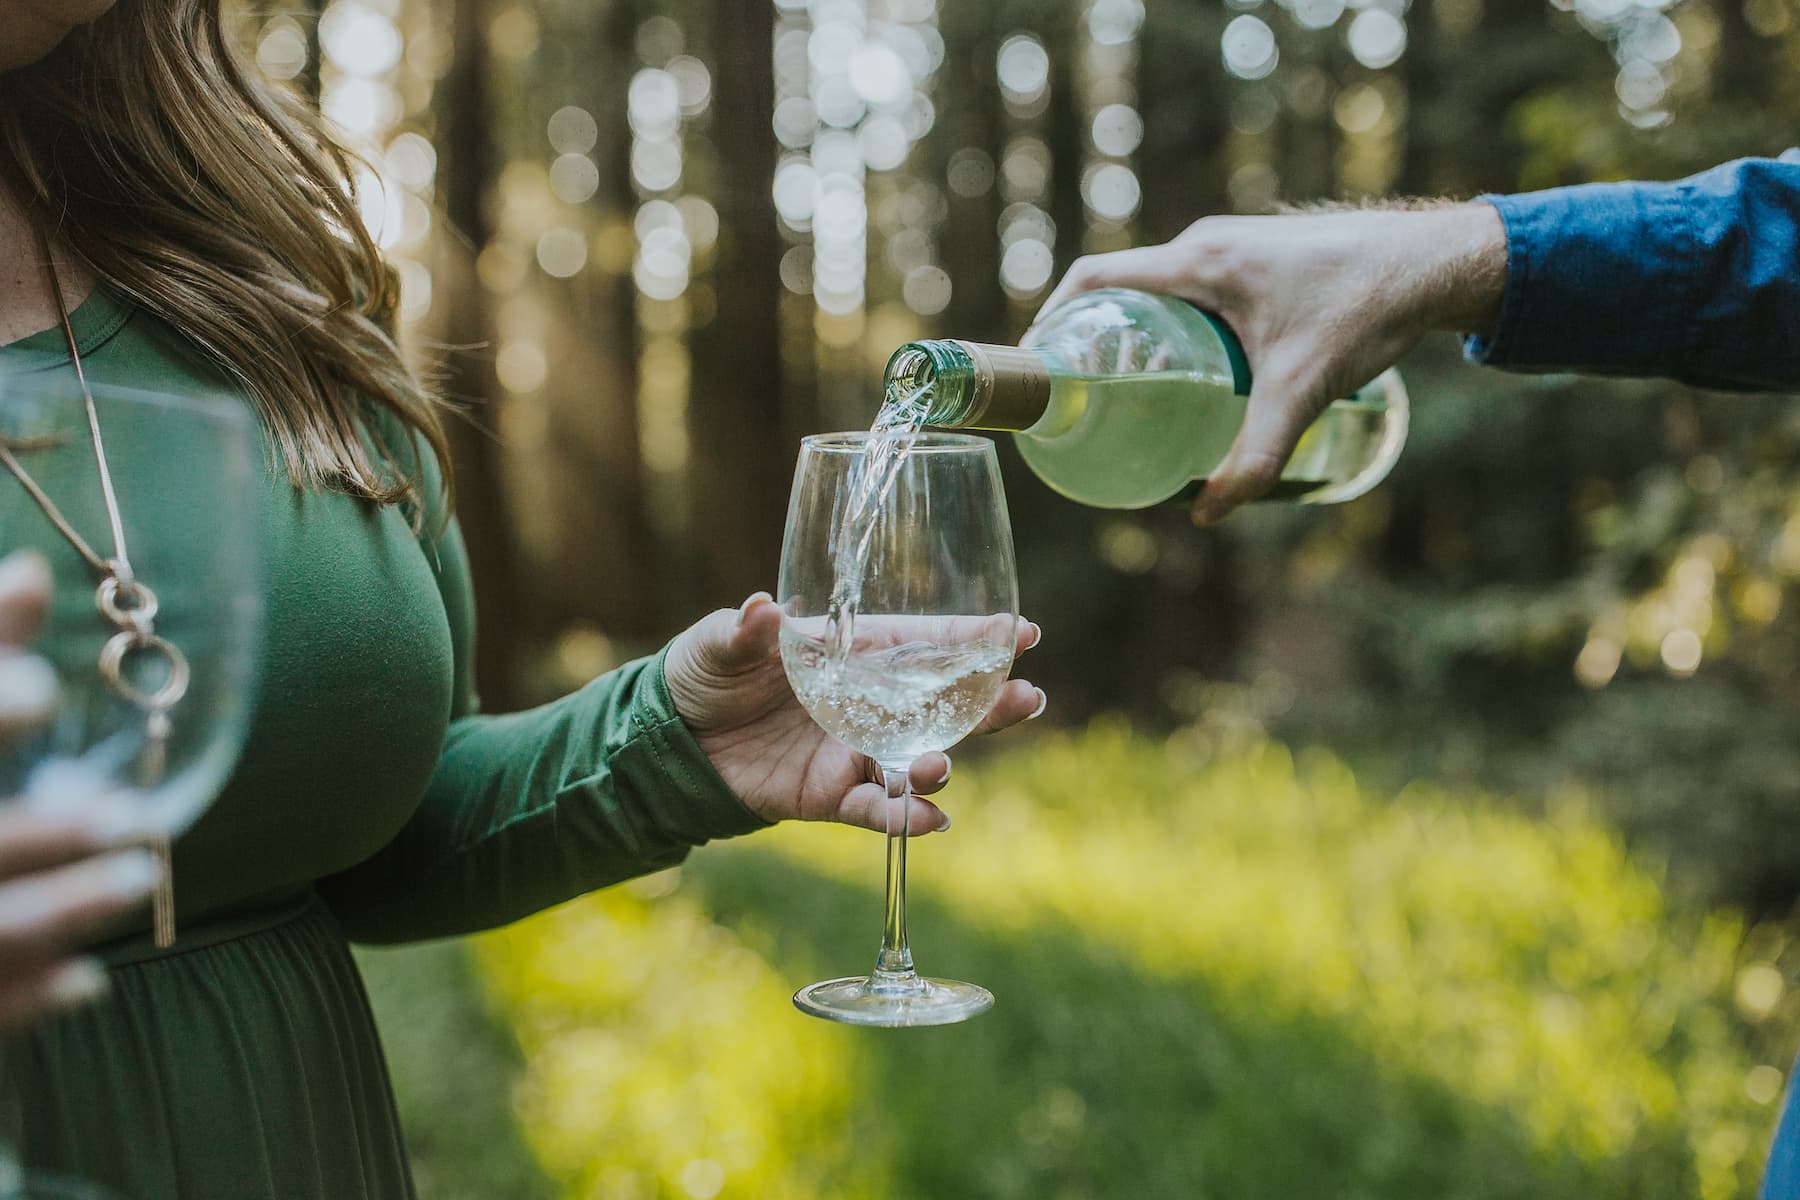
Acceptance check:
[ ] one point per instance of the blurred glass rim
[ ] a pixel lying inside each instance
(918, 443)
(38, 383)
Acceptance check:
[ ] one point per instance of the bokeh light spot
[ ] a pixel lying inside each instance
(572, 130)
(880, 76)
(358, 39)
(1317, 14)
(1112, 191)
(926, 290)
(1377, 38)
(884, 143)
(561, 252)
(1681, 651)
(521, 367)
(1115, 22)
(1023, 66)
(693, 84)
(412, 161)
(281, 52)
(574, 178)
(970, 172)
(1117, 130)
(1248, 47)
(1025, 267)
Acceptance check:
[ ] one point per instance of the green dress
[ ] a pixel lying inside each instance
(372, 803)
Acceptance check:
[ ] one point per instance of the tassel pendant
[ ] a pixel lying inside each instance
(136, 639)
(150, 772)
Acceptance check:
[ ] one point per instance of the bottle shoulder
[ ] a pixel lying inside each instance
(1115, 332)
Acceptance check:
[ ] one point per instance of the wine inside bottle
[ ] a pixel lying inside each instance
(1122, 399)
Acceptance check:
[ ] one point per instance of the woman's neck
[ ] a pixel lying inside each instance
(27, 303)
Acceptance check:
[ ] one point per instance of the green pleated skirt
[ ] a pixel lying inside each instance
(242, 1065)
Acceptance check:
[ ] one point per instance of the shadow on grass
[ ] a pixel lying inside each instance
(1093, 1079)
(454, 1068)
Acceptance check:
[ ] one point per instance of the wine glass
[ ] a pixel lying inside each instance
(182, 471)
(928, 572)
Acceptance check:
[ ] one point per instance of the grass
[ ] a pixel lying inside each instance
(1241, 978)
(454, 1070)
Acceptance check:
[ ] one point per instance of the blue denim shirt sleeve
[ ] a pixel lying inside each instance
(1697, 280)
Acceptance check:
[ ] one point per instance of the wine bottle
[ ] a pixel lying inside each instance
(1123, 399)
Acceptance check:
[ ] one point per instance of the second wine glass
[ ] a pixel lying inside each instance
(154, 676)
(914, 667)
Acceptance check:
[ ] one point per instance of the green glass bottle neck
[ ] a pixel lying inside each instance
(972, 385)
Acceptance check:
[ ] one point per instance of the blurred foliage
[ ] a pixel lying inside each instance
(452, 1069)
(665, 320)
(685, 233)
(1572, 609)
(1234, 975)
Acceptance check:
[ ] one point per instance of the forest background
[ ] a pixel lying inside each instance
(1440, 844)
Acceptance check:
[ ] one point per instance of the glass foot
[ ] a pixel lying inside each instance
(895, 1002)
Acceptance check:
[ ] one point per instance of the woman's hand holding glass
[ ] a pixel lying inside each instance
(726, 676)
(64, 878)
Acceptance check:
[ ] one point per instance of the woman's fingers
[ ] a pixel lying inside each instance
(27, 684)
(24, 596)
(31, 840)
(40, 990)
(43, 913)
(28, 692)
(1027, 636)
(46, 909)
(1019, 701)
(866, 806)
(929, 773)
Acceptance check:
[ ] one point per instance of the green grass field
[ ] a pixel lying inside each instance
(1241, 979)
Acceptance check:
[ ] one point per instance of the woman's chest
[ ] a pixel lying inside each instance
(352, 700)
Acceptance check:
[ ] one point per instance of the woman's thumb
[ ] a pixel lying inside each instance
(739, 639)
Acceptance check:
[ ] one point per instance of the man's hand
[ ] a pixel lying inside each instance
(726, 677)
(62, 877)
(1322, 301)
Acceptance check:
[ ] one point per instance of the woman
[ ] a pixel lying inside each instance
(207, 244)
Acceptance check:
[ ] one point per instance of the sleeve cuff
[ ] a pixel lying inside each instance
(692, 802)
(1598, 278)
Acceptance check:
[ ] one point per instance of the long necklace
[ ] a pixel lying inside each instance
(128, 605)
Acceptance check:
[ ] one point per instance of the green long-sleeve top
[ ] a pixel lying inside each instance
(372, 802)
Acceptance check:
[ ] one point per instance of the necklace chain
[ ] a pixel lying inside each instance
(120, 563)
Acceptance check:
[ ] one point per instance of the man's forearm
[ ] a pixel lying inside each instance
(1697, 280)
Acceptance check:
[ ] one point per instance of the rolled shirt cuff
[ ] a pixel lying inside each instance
(1599, 278)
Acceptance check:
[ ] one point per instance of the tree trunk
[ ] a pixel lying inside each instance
(740, 460)
(604, 564)
(1181, 162)
(467, 153)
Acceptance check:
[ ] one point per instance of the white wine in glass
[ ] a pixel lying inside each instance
(900, 610)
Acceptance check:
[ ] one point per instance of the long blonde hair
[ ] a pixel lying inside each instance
(221, 206)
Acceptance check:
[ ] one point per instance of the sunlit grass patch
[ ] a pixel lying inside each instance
(662, 1059)
(1231, 978)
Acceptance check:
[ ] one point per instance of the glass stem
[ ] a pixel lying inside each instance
(894, 965)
